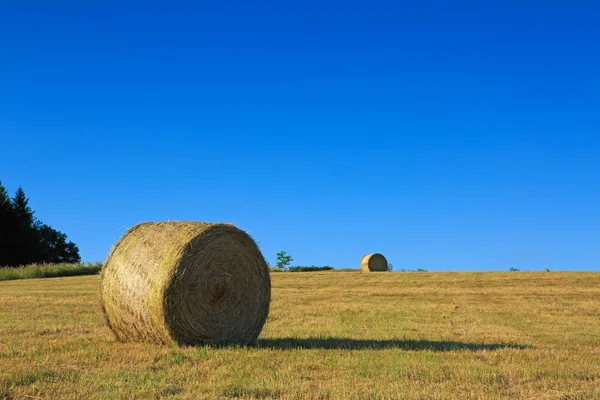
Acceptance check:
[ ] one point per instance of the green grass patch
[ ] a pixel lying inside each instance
(48, 271)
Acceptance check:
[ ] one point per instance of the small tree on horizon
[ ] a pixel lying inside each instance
(283, 260)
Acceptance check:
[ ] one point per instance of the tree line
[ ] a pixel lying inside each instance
(25, 239)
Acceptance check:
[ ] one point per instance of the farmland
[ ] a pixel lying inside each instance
(329, 335)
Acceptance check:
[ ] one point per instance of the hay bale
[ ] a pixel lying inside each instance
(373, 262)
(190, 283)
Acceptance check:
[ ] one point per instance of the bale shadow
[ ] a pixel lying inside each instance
(366, 344)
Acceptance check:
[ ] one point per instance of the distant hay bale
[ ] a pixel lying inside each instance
(373, 262)
(190, 283)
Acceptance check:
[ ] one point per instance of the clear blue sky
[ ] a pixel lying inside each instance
(445, 135)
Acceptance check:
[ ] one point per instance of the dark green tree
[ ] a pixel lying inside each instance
(21, 207)
(4, 199)
(24, 239)
(6, 226)
(53, 246)
(25, 248)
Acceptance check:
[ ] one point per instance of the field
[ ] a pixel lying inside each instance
(330, 335)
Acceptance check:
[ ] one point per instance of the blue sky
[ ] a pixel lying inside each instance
(445, 135)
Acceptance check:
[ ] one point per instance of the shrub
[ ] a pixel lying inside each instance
(311, 268)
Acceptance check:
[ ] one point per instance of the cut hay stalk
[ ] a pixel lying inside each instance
(373, 262)
(189, 283)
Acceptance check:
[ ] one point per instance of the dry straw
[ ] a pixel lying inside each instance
(189, 283)
(373, 262)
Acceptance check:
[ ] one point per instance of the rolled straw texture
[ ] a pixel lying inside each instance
(189, 283)
(373, 262)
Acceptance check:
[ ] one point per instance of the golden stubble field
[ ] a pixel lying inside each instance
(330, 335)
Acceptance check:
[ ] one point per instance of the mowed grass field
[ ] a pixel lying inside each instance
(330, 335)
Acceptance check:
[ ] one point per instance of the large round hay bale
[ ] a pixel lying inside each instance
(373, 262)
(189, 283)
